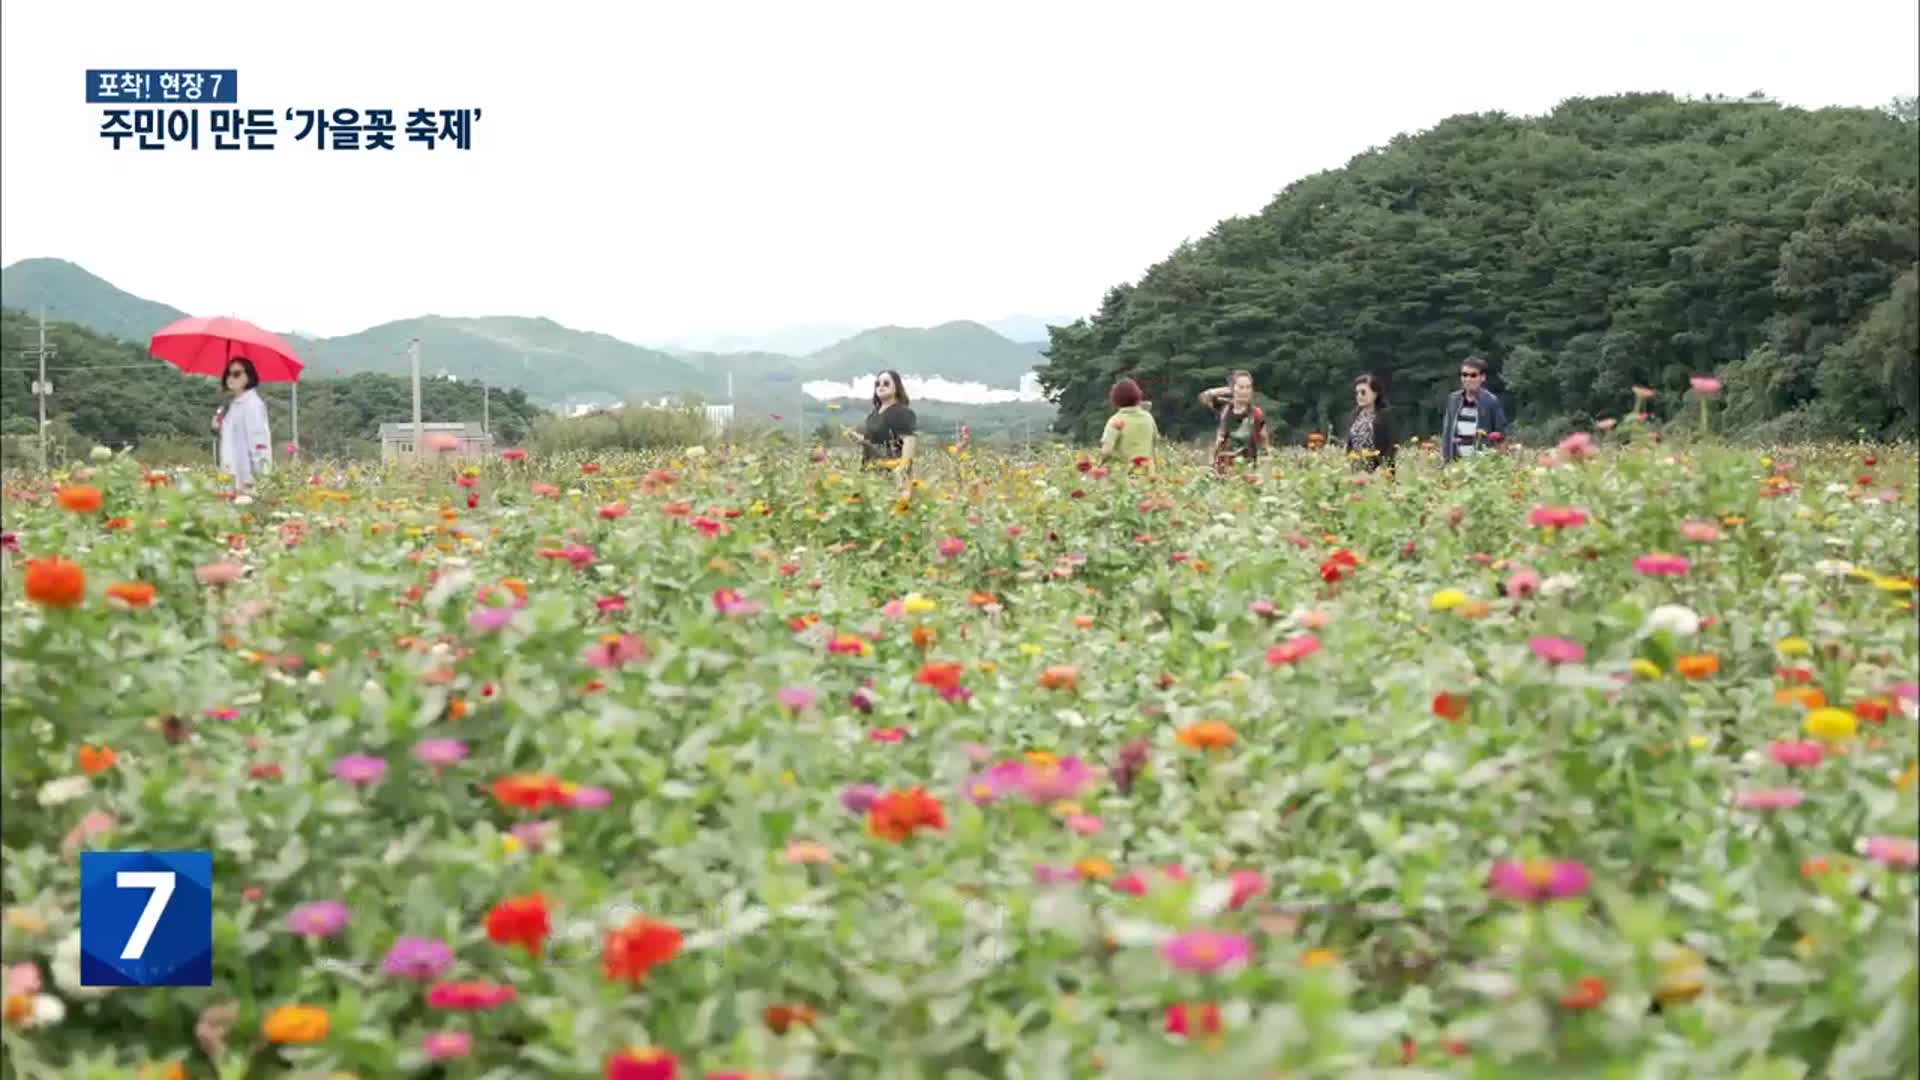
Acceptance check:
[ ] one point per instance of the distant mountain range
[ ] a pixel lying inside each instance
(560, 366)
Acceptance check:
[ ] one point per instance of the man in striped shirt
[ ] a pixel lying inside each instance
(1473, 414)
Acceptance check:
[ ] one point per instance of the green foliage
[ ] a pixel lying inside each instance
(1094, 626)
(637, 426)
(1617, 241)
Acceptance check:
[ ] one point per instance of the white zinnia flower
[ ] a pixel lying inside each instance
(1675, 619)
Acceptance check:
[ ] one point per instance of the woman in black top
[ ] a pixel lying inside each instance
(888, 439)
(1370, 436)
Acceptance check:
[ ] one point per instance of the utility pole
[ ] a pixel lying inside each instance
(42, 388)
(419, 429)
(296, 410)
(486, 409)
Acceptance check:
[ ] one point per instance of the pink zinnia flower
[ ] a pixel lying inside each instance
(220, 573)
(1700, 532)
(359, 768)
(223, 713)
(623, 650)
(1892, 851)
(1557, 517)
(1555, 650)
(23, 979)
(1660, 564)
(1207, 951)
(440, 752)
(1523, 583)
(729, 602)
(488, 619)
(1262, 608)
(1577, 446)
(1045, 874)
(580, 555)
(321, 918)
(1769, 799)
(1293, 650)
(1538, 879)
(441, 1045)
(1704, 384)
(952, 546)
(1801, 754)
(418, 958)
(535, 835)
(589, 798)
(1247, 884)
(797, 697)
(1084, 824)
(859, 797)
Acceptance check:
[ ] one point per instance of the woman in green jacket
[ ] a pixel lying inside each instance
(1131, 432)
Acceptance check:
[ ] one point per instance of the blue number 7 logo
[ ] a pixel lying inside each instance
(146, 918)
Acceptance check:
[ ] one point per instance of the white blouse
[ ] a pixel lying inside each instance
(246, 443)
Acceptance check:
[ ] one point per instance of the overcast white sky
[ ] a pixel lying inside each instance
(660, 171)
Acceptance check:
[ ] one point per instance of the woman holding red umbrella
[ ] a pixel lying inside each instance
(246, 442)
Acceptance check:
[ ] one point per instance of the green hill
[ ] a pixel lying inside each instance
(552, 363)
(71, 294)
(1620, 241)
(959, 351)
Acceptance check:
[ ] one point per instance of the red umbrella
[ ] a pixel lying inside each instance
(203, 347)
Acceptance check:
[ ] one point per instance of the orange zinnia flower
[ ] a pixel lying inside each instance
(1207, 735)
(295, 1024)
(56, 582)
(530, 791)
(1807, 697)
(1697, 666)
(781, 1017)
(1060, 677)
(95, 760)
(638, 947)
(944, 676)
(897, 815)
(137, 594)
(1588, 993)
(1872, 710)
(924, 636)
(81, 498)
(520, 920)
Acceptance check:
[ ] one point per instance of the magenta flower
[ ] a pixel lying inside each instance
(1660, 564)
(440, 752)
(1892, 851)
(730, 603)
(861, 699)
(11, 542)
(858, 797)
(1704, 384)
(1523, 583)
(223, 713)
(1535, 880)
(1800, 755)
(321, 918)
(1555, 650)
(418, 958)
(952, 546)
(1051, 782)
(797, 698)
(1207, 951)
(488, 619)
(1262, 608)
(1769, 799)
(580, 555)
(359, 768)
(441, 1045)
(1084, 824)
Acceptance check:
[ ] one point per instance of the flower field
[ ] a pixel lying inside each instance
(734, 764)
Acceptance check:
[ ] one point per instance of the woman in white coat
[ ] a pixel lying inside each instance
(246, 444)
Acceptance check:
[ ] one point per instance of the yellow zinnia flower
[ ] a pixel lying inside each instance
(1832, 724)
(1447, 600)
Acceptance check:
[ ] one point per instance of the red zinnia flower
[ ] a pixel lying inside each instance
(897, 815)
(638, 947)
(521, 920)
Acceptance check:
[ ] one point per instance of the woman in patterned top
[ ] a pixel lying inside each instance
(1242, 433)
(1370, 437)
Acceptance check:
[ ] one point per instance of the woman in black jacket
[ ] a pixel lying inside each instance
(1370, 436)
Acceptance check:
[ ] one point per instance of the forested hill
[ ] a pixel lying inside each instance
(1617, 241)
